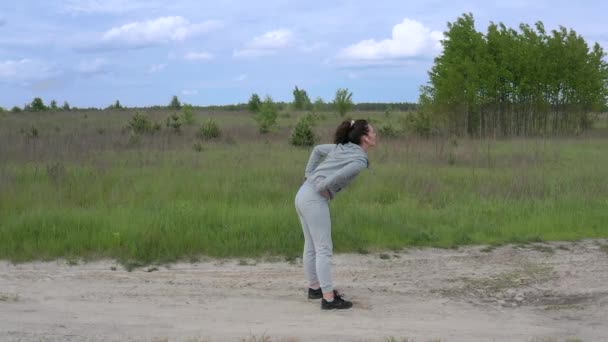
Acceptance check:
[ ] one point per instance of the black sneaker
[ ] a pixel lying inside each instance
(315, 294)
(337, 304)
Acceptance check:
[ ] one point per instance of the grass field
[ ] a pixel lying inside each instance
(81, 187)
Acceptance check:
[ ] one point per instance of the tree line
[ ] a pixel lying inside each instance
(510, 82)
(301, 102)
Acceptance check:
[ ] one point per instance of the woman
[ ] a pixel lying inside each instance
(330, 168)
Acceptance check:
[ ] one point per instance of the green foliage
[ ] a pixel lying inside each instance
(140, 123)
(175, 103)
(115, 105)
(267, 115)
(343, 101)
(387, 130)
(149, 205)
(319, 105)
(188, 114)
(37, 105)
(516, 83)
(16, 109)
(418, 123)
(174, 123)
(303, 134)
(66, 106)
(301, 100)
(54, 105)
(254, 103)
(209, 130)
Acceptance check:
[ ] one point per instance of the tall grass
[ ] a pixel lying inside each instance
(78, 193)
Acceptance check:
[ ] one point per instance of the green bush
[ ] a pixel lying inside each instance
(418, 123)
(388, 131)
(140, 123)
(254, 103)
(173, 122)
(267, 115)
(303, 134)
(188, 114)
(209, 130)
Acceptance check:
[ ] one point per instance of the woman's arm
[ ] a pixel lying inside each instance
(341, 178)
(316, 157)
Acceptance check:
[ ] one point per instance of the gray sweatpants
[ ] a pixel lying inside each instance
(313, 210)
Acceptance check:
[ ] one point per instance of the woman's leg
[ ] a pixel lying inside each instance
(308, 257)
(319, 224)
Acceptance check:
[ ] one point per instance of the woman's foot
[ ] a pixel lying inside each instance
(337, 303)
(315, 294)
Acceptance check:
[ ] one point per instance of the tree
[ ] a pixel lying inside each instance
(303, 134)
(16, 109)
(267, 115)
(175, 104)
(301, 99)
(254, 103)
(66, 106)
(343, 101)
(37, 105)
(515, 82)
(188, 114)
(54, 105)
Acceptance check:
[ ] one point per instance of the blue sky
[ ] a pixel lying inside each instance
(141, 52)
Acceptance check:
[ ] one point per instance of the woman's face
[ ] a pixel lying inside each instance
(370, 137)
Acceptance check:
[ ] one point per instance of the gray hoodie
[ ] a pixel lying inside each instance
(331, 167)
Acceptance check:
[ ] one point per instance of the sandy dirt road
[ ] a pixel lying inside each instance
(541, 292)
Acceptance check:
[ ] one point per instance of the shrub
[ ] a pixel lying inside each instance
(388, 131)
(418, 123)
(303, 134)
(188, 114)
(266, 117)
(140, 123)
(254, 103)
(343, 101)
(209, 130)
(173, 122)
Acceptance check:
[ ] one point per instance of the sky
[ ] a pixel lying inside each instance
(91, 53)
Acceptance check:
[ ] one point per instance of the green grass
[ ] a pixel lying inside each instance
(80, 194)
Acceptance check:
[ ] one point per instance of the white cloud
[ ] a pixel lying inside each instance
(189, 92)
(25, 71)
(156, 31)
(92, 67)
(196, 56)
(106, 6)
(156, 68)
(267, 44)
(409, 39)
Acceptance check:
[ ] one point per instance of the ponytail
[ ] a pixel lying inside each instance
(351, 131)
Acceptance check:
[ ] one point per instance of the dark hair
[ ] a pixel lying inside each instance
(351, 131)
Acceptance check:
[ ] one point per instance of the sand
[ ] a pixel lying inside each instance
(540, 292)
